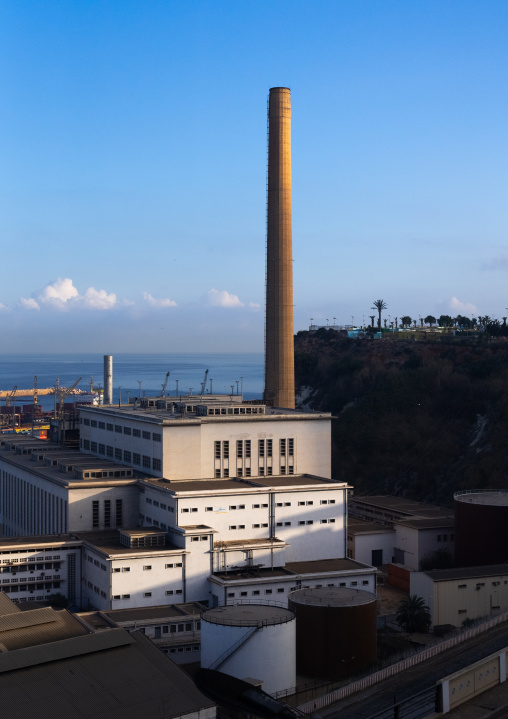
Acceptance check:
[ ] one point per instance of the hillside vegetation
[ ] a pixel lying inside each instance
(419, 419)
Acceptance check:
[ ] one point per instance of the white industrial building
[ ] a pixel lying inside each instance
(386, 529)
(463, 593)
(187, 499)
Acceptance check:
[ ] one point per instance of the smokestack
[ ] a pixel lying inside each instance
(108, 379)
(279, 341)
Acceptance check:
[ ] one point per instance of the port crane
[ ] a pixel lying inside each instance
(10, 396)
(203, 383)
(165, 384)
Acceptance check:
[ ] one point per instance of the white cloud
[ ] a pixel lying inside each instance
(99, 299)
(164, 302)
(63, 295)
(254, 306)
(60, 292)
(3, 307)
(221, 298)
(29, 304)
(462, 307)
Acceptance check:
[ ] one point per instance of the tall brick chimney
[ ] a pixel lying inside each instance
(279, 340)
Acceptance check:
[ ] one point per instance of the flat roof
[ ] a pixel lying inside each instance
(108, 542)
(402, 505)
(67, 479)
(165, 417)
(428, 522)
(34, 542)
(327, 565)
(363, 526)
(491, 570)
(235, 485)
(147, 614)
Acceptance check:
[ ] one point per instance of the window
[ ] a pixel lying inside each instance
(147, 567)
(95, 513)
(261, 447)
(255, 592)
(239, 472)
(156, 464)
(126, 569)
(269, 471)
(118, 454)
(239, 448)
(243, 594)
(282, 447)
(136, 458)
(102, 449)
(86, 421)
(127, 456)
(217, 450)
(102, 425)
(146, 435)
(93, 446)
(225, 449)
(86, 444)
(247, 447)
(287, 524)
(118, 429)
(157, 437)
(126, 596)
(127, 430)
(291, 446)
(268, 591)
(119, 512)
(107, 513)
(136, 432)
(109, 451)
(269, 447)
(256, 506)
(147, 462)
(109, 427)
(462, 586)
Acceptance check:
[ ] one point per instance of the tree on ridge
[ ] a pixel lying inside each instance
(379, 305)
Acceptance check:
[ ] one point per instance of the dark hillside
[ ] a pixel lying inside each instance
(414, 418)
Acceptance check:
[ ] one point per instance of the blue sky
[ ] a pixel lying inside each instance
(133, 166)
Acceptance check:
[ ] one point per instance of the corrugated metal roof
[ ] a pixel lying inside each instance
(38, 626)
(7, 606)
(132, 681)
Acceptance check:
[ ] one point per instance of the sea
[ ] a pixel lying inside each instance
(133, 373)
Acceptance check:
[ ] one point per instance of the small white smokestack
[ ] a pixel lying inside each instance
(108, 379)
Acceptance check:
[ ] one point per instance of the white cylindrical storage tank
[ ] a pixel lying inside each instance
(108, 379)
(253, 641)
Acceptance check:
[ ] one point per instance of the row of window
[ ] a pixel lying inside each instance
(478, 585)
(29, 567)
(233, 507)
(282, 590)
(44, 558)
(28, 579)
(445, 537)
(168, 593)
(123, 455)
(284, 524)
(119, 429)
(147, 567)
(159, 504)
(31, 587)
(155, 522)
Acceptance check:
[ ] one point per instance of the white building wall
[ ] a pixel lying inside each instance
(81, 507)
(420, 542)
(30, 504)
(365, 544)
(34, 572)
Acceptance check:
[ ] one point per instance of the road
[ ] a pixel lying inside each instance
(383, 695)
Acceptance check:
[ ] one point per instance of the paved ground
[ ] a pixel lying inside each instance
(492, 704)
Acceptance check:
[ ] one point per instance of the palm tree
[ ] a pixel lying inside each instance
(406, 321)
(379, 305)
(413, 615)
(430, 319)
(372, 321)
